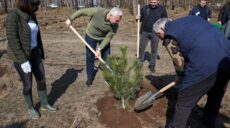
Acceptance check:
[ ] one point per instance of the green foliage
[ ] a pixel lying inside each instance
(125, 79)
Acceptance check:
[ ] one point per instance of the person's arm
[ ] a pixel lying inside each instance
(192, 12)
(209, 14)
(164, 13)
(83, 12)
(227, 29)
(108, 37)
(142, 14)
(106, 40)
(221, 13)
(174, 51)
(13, 37)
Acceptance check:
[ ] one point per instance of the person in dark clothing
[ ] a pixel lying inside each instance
(224, 17)
(26, 50)
(192, 44)
(202, 10)
(149, 15)
(224, 14)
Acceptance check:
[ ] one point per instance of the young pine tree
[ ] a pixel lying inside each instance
(125, 78)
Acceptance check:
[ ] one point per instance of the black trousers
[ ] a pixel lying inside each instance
(214, 86)
(38, 71)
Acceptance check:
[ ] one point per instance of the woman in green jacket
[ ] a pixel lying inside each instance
(26, 51)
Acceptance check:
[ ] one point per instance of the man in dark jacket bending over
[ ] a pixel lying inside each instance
(193, 43)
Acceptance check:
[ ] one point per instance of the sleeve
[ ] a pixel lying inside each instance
(108, 37)
(174, 51)
(192, 12)
(142, 14)
(106, 40)
(209, 13)
(83, 12)
(13, 37)
(221, 13)
(227, 29)
(164, 13)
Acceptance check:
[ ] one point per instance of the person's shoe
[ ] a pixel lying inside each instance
(49, 108)
(89, 82)
(152, 68)
(33, 113)
(44, 102)
(158, 57)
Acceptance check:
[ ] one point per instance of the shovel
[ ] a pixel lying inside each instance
(148, 99)
(138, 30)
(91, 49)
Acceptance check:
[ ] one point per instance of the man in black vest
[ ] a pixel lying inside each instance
(149, 15)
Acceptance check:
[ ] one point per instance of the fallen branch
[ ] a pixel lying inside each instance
(72, 126)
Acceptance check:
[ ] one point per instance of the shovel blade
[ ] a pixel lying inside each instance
(144, 101)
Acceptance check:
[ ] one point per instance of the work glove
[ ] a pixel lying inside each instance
(179, 77)
(178, 80)
(26, 67)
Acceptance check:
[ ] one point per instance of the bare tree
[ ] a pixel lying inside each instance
(134, 3)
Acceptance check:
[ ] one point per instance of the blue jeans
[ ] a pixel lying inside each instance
(90, 57)
(145, 37)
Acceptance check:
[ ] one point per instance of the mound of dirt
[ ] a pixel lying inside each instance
(113, 117)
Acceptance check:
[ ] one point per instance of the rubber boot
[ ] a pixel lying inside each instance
(33, 113)
(44, 102)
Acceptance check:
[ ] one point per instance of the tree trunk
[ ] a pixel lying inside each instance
(134, 3)
(173, 4)
(5, 6)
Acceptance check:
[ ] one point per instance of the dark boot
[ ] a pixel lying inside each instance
(33, 113)
(44, 102)
(152, 68)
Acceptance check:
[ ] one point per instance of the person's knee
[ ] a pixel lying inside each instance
(27, 90)
(41, 85)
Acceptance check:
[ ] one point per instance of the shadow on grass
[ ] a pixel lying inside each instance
(16, 125)
(60, 85)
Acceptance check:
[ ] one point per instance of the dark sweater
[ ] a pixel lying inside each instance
(150, 15)
(19, 36)
(224, 14)
(204, 12)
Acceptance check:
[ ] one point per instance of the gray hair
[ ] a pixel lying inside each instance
(115, 11)
(160, 23)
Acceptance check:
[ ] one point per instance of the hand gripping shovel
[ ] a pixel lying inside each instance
(148, 99)
(91, 49)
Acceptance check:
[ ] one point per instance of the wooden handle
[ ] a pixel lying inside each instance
(91, 49)
(167, 87)
(138, 30)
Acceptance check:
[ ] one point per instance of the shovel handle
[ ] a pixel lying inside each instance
(138, 30)
(167, 87)
(91, 49)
